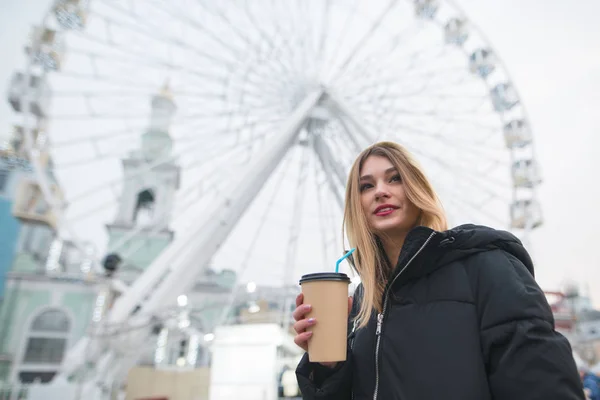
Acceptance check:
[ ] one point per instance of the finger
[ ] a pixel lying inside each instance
(301, 340)
(350, 301)
(300, 326)
(299, 312)
(299, 299)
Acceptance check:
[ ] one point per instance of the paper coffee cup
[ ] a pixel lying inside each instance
(327, 293)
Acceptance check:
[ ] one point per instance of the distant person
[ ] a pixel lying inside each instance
(589, 380)
(440, 314)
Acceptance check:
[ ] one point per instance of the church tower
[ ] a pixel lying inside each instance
(151, 179)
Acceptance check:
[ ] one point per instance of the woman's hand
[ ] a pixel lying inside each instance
(303, 323)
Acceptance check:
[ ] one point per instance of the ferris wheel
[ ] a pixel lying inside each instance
(247, 116)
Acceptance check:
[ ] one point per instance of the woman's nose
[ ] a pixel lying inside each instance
(381, 193)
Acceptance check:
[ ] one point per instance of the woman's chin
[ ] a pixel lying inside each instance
(394, 226)
(391, 228)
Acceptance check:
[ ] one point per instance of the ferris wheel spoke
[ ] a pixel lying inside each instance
(194, 138)
(120, 53)
(403, 58)
(359, 46)
(430, 93)
(426, 116)
(305, 53)
(269, 65)
(209, 129)
(127, 117)
(237, 33)
(490, 207)
(248, 252)
(261, 88)
(348, 144)
(372, 63)
(467, 174)
(107, 204)
(244, 38)
(415, 125)
(268, 212)
(325, 215)
(458, 169)
(58, 144)
(106, 80)
(116, 95)
(286, 69)
(429, 111)
(470, 141)
(152, 31)
(311, 11)
(296, 216)
(407, 66)
(323, 231)
(470, 208)
(112, 134)
(321, 41)
(352, 143)
(344, 141)
(387, 82)
(187, 198)
(465, 148)
(340, 40)
(403, 64)
(130, 60)
(391, 87)
(306, 66)
(331, 169)
(221, 162)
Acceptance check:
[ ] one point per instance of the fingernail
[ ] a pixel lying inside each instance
(311, 320)
(307, 307)
(309, 334)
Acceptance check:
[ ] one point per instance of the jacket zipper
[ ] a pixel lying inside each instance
(351, 348)
(381, 315)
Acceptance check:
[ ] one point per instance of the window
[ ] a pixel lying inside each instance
(3, 180)
(36, 240)
(51, 321)
(42, 350)
(144, 208)
(47, 342)
(30, 377)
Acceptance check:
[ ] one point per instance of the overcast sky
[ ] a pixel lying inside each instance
(552, 50)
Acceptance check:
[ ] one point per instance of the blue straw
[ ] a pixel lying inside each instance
(337, 263)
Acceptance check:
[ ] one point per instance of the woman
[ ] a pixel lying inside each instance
(440, 314)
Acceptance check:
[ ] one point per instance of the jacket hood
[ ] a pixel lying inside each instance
(426, 250)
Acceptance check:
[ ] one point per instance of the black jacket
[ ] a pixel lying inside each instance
(463, 320)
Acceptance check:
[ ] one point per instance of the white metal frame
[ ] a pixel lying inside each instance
(162, 281)
(170, 274)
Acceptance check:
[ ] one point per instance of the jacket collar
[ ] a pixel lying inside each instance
(420, 245)
(426, 250)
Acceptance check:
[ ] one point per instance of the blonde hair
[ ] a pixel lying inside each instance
(369, 261)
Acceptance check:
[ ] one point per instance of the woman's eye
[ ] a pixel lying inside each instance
(365, 186)
(396, 178)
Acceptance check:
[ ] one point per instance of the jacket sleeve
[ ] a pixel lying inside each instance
(318, 382)
(525, 357)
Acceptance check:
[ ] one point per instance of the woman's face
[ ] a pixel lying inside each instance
(384, 200)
